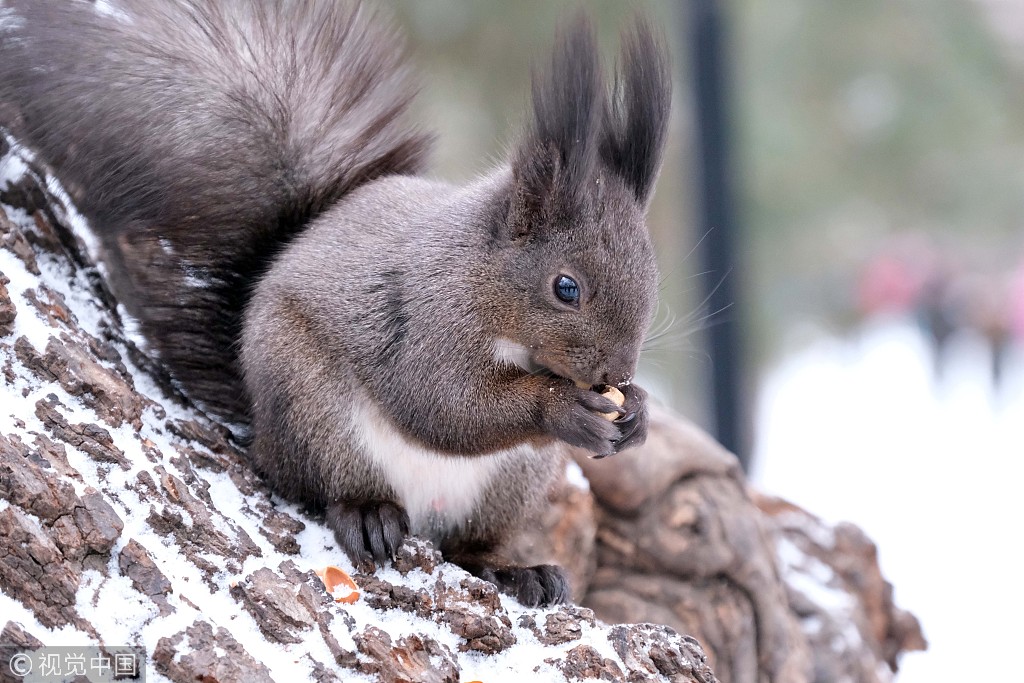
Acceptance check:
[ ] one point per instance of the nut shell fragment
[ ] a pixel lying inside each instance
(336, 581)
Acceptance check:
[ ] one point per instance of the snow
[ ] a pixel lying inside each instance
(929, 466)
(35, 329)
(14, 167)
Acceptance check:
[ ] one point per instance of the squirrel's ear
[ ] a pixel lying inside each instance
(556, 156)
(636, 117)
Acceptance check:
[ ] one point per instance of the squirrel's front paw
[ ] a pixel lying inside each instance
(575, 416)
(368, 531)
(632, 423)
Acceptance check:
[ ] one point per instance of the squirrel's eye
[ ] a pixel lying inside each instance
(567, 290)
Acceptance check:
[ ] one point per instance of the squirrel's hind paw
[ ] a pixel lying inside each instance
(539, 586)
(370, 532)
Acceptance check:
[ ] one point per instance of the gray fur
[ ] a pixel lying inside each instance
(198, 137)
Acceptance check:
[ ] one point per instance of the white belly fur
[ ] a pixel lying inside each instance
(436, 489)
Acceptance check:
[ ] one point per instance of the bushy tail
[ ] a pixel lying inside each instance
(198, 137)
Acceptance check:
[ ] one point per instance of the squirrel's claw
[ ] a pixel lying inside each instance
(574, 416)
(626, 418)
(633, 424)
(369, 532)
(539, 586)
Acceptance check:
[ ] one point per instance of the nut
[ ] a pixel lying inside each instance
(615, 396)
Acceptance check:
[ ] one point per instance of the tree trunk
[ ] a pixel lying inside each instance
(129, 519)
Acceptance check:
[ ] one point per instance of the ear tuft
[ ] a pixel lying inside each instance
(636, 117)
(559, 151)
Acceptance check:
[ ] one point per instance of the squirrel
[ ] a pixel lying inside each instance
(404, 355)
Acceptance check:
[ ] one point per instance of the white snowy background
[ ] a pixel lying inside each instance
(930, 466)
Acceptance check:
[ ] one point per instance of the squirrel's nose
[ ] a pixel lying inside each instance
(619, 370)
(616, 379)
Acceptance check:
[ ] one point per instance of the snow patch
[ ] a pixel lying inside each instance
(815, 579)
(12, 168)
(32, 327)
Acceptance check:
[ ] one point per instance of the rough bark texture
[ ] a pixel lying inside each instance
(114, 488)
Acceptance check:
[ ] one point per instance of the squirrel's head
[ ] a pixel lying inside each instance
(572, 240)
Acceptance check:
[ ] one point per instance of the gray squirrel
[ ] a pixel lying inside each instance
(405, 354)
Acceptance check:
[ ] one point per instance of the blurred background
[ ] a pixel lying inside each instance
(876, 163)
